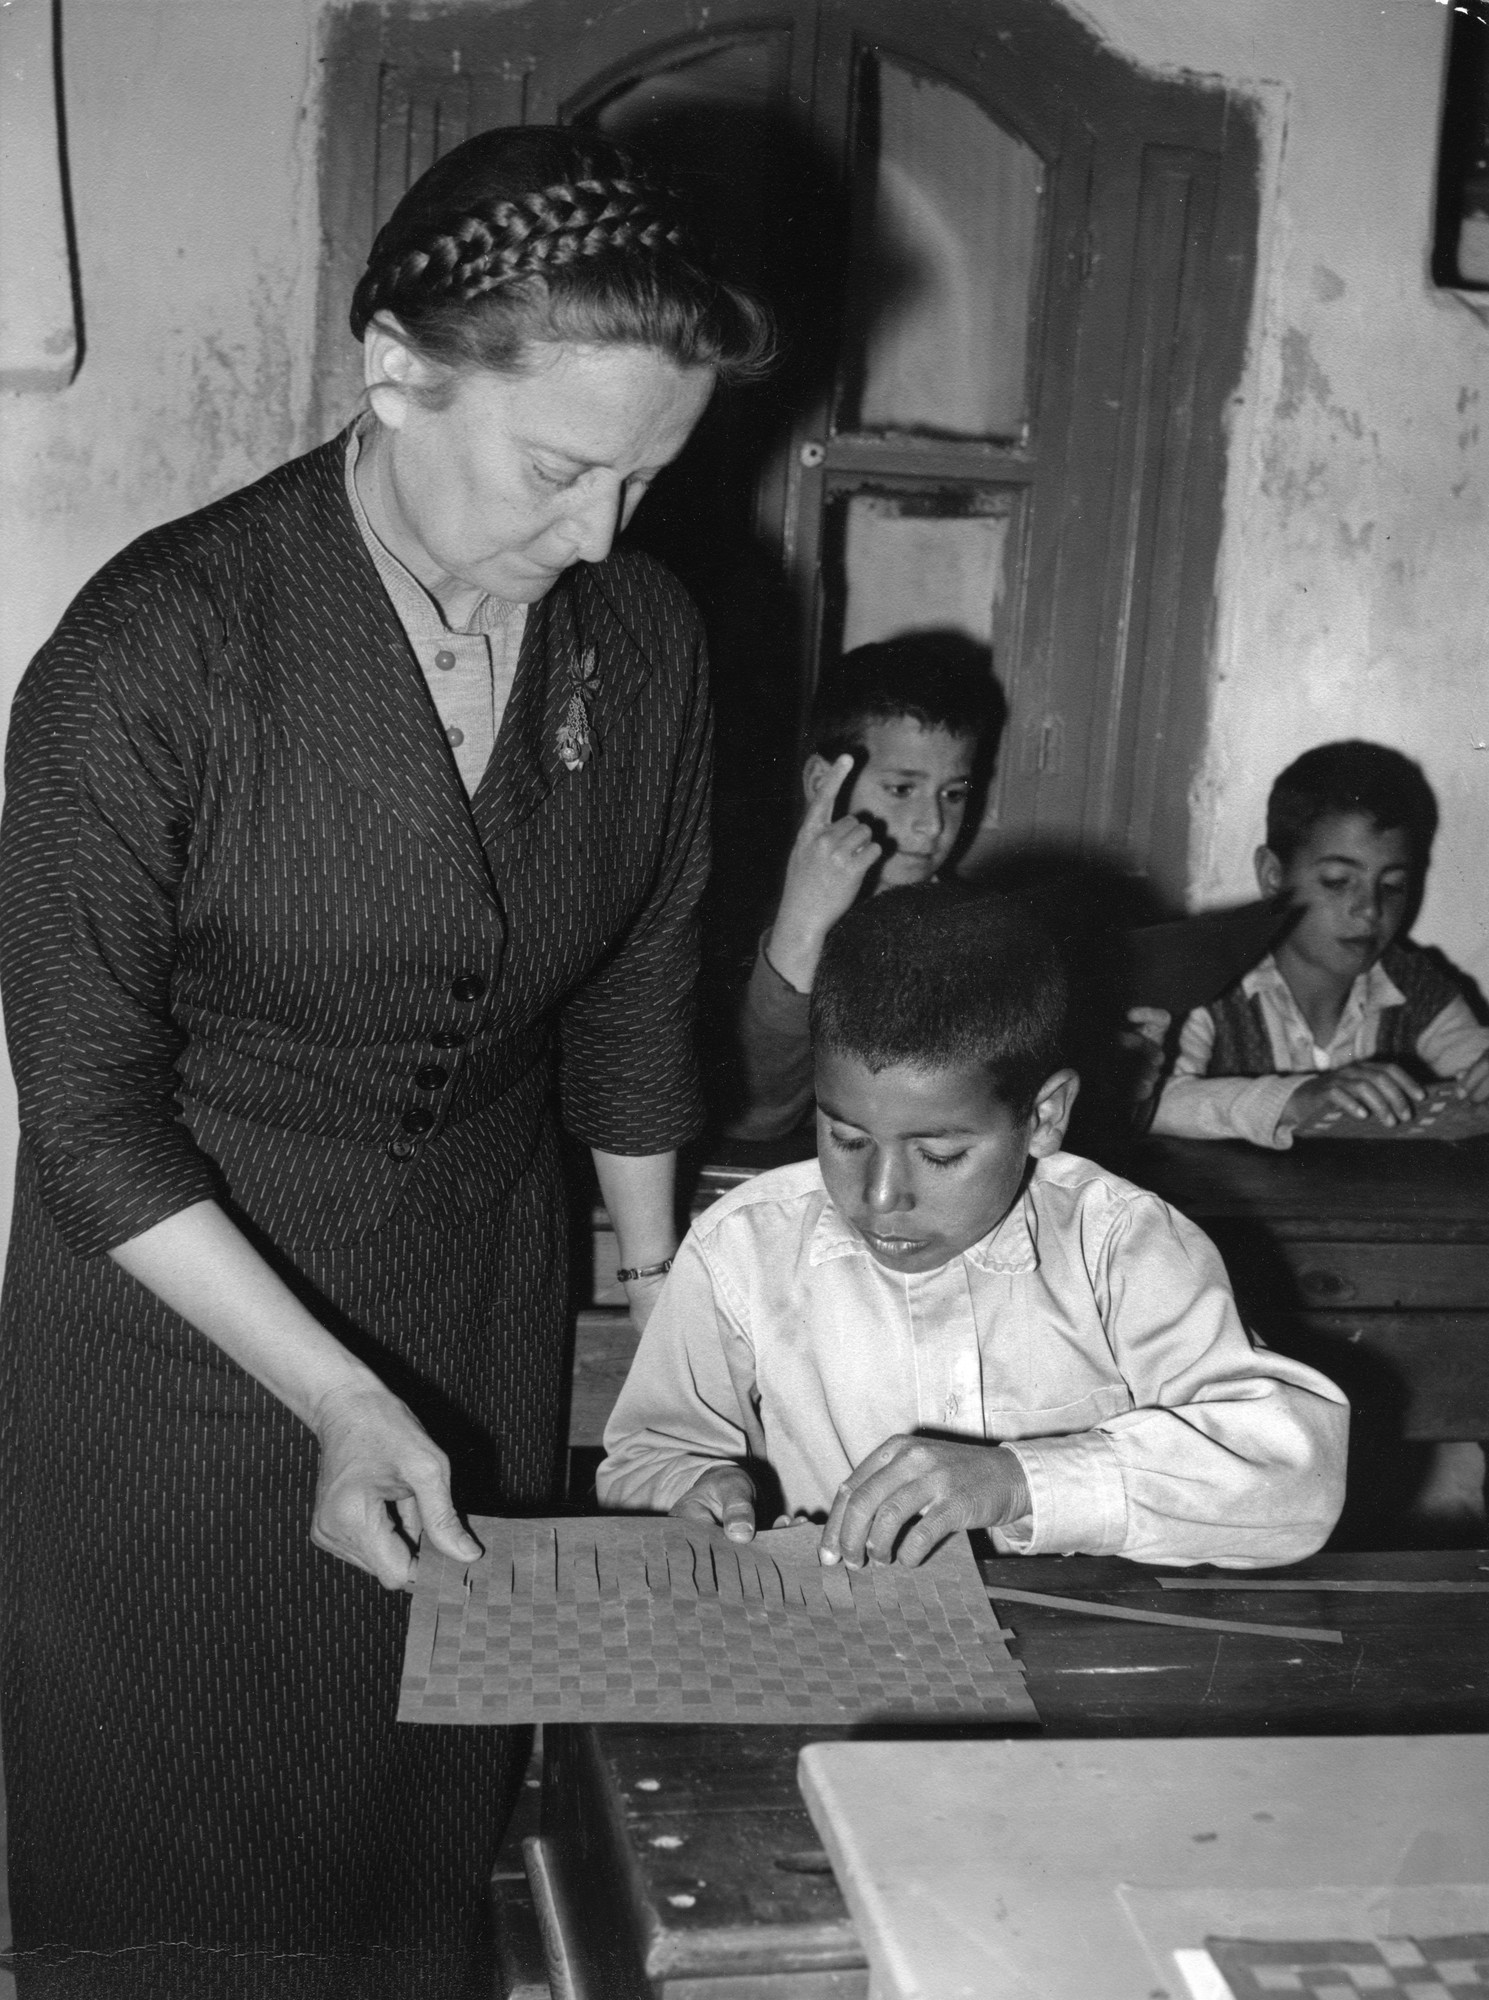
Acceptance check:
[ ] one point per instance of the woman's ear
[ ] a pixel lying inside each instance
(1268, 873)
(393, 371)
(1052, 1109)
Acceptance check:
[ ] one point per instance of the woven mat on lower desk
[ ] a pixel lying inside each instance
(645, 1619)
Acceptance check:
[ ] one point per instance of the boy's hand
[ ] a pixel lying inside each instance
(724, 1497)
(1362, 1089)
(1144, 1037)
(948, 1484)
(829, 861)
(1473, 1085)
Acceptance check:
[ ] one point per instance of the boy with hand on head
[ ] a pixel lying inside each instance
(1342, 1012)
(946, 1322)
(897, 734)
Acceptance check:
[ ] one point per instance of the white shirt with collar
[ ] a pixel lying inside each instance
(1093, 1330)
(1196, 1106)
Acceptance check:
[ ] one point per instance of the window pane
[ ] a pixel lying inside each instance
(946, 272)
(914, 562)
(749, 72)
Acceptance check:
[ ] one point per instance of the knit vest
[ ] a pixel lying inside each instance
(1244, 1048)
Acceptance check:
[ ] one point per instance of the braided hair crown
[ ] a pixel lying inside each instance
(541, 232)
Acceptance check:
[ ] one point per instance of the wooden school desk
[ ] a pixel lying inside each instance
(681, 1862)
(1369, 1259)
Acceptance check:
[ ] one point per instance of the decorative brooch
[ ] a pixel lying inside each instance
(574, 740)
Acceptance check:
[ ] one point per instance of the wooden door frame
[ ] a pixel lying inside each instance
(1132, 468)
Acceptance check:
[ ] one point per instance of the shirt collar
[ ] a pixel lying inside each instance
(1007, 1248)
(1372, 990)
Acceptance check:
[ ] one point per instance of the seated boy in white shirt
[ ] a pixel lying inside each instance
(1339, 1013)
(946, 1322)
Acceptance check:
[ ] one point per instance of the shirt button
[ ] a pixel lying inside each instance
(416, 1121)
(456, 737)
(401, 1149)
(468, 986)
(431, 1077)
(448, 1038)
(444, 661)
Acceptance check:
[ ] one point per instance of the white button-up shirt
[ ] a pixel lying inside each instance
(1093, 1331)
(1196, 1106)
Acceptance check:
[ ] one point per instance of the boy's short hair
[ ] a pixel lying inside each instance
(942, 680)
(932, 977)
(1351, 777)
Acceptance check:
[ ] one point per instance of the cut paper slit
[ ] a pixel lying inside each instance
(646, 1619)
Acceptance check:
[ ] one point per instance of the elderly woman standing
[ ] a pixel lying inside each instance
(350, 822)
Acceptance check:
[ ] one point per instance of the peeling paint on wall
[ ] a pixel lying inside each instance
(1354, 596)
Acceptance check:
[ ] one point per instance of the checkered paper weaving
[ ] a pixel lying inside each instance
(641, 1619)
(1437, 1968)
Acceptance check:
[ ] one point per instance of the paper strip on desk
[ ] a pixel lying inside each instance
(645, 1619)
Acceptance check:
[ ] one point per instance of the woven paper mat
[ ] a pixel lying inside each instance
(646, 1619)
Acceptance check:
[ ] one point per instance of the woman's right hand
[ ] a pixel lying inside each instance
(375, 1454)
(374, 1451)
(829, 862)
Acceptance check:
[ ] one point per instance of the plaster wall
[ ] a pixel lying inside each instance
(1354, 585)
(192, 140)
(1354, 591)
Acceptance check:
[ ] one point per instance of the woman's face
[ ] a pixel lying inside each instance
(520, 476)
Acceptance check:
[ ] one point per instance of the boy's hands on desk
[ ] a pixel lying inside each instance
(829, 862)
(1473, 1085)
(950, 1485)
(1380, 1090)
(724, 1497)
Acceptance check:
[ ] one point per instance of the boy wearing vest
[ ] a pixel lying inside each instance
(945, 1321)
(1344, 1011)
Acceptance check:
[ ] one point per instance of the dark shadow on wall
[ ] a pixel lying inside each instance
(771, 200)
(1089, 903)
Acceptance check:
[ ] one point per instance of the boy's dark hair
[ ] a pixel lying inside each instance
(1352, 777)
(942, 680)
(932, 977)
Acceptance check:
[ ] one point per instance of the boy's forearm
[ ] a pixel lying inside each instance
(794, 950)
(645, 1474)
(1252, 1479)
(1226, 1107)
(776, 1047)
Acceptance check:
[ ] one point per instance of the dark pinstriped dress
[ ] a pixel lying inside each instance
(248, 915)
